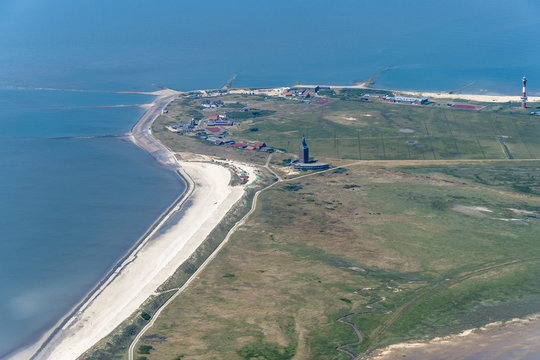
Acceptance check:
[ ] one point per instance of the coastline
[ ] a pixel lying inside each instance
(469, 97)
(62, 340)
(486, 342)
(152, 259)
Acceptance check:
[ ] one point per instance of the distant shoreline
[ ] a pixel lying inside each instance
(472, 343)
(486, 98)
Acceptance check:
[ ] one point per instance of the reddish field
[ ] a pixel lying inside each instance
(320, 102)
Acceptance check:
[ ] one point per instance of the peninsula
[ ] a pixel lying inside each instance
(429, 204)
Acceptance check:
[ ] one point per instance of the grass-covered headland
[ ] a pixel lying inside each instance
(335, 264)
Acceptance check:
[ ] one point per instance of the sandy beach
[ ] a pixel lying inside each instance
(469, 97)
(435, 95)
(514, 339)
(154, 259)
(149, 265)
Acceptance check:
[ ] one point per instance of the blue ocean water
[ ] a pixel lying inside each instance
(62, 197)
(435, 45)
(71, 207)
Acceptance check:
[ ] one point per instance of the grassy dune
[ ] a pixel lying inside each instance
(394, 250)
(373, 130)
(366, 242)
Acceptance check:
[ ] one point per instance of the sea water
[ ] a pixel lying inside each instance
(71, 206)
(433, 45)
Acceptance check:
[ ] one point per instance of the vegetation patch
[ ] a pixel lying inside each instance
(320, 266)
(144, 349)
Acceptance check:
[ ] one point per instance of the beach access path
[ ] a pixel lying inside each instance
(155, 257)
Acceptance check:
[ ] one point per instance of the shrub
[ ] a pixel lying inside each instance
(145, 349)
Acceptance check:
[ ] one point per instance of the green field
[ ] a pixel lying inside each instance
(365, 242)
(398, 248)
(348, 129)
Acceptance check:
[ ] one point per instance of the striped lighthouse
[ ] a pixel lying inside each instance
(524, 94)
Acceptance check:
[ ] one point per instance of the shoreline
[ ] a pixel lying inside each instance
(473, 343)
(141, 136)
(485, 98)
(78, 330)
(470, 97)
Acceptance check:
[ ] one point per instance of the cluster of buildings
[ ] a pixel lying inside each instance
(406, 100)
(212, 104)
(184, 128)
(303, 92)
(220, 140)
(219, 120)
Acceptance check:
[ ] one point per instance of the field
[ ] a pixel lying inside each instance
(428, 226)
(400, 252)
(373, 130)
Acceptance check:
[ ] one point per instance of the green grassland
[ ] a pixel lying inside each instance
(372, 242)
(349, 129)
(397, 249)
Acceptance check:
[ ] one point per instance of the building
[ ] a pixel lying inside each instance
(219, 123)
(259, 145)
(406, 100)
(212, 104)
(311, 166)
(303, 159)
(303, 152)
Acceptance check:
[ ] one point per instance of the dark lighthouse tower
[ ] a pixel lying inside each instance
(303, 152)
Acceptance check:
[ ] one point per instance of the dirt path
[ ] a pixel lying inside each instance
(344, 319)
(203, 266)
(444, 283)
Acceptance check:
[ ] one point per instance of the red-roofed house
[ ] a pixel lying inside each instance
(259, 145)
(213, 118)
(238, 144)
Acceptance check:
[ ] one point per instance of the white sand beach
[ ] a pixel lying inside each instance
(154, 259)
(435, 95)
(149, 265)
(469, 97)
(514, 339)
